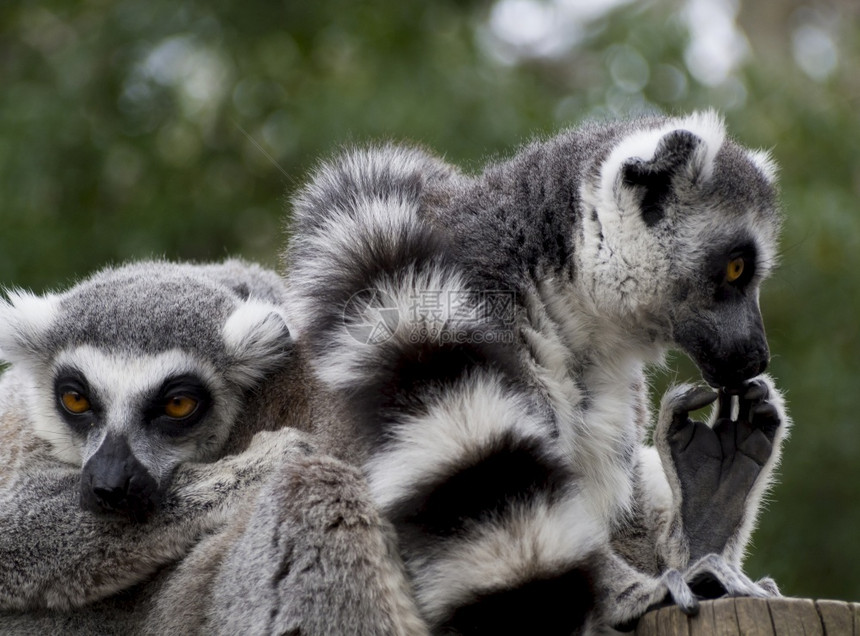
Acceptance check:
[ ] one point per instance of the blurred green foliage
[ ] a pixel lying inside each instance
(137, 128)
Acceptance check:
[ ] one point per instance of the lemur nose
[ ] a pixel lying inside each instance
(763, 361)
(744, 365)
(115, 498)
(114, 480)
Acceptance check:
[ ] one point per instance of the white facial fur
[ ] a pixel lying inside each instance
(122, 383)
(633, 267)
(126, 365)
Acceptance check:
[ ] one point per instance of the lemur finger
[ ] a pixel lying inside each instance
(693, 400)
(681, 593)
(765, 417)
(727, 433)
(758, 448)
(769, 586)
(755, 392)
(724, 411)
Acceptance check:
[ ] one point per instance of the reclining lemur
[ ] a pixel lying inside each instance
(140, 491)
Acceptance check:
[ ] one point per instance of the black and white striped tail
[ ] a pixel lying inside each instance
(492, 528)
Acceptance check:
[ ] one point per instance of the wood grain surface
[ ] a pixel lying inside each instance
(756, 617)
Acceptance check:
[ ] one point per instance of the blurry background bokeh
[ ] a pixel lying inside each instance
(139, 128)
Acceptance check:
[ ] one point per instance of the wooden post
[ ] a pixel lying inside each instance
(756, 617)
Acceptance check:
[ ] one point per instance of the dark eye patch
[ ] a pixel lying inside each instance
(187, 385)
(716, 267)
(69, 380)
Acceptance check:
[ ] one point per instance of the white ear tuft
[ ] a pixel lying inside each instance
(765, 162)
(642, 146)
(24, 318)
(647, 164)
(257, 339)
(710, 127)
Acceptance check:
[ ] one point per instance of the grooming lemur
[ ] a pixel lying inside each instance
(490, 335)
(130, 471)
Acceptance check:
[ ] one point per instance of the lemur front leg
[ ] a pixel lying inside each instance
(316, 557)
(718, 474)
(58, 556)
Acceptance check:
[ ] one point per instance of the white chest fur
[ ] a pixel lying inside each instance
(592, 380)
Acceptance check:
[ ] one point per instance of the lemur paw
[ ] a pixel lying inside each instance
(717, 466)
(680, 593)
(750, 434)
(209, 485)
(647, 594)
(769, 586)
(713, 577)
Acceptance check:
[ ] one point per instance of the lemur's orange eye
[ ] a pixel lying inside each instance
(75, 403)
(735, 269)
(180, 406)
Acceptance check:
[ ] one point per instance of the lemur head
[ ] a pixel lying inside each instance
(139, 368)
(683, 232)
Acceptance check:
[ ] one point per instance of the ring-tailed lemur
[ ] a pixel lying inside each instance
(96, 403)
(140, 368)
(490, 334)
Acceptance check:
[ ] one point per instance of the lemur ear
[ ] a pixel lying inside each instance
(647, 165)
(24, 319)
(257, 340)
(675, 155)
(764, 161)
